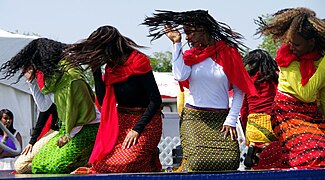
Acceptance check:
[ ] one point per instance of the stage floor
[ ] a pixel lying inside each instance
(248, 175)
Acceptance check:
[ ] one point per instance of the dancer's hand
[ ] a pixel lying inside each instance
(63, 140)
(131, 139)
(231, 130)
(27, 149)
(173, 34)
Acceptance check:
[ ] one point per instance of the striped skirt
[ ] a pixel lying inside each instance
(54, 160)
(141, 157)
(204, 147)
(300, 129)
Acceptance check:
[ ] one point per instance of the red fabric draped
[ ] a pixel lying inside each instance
(307, 67)
(108, 131)
(47, 127)
(228, 58)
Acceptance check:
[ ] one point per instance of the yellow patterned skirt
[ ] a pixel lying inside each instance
(259, 129)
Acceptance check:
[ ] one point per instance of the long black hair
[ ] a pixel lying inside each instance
(42, 53)
(196, 18)
(287, 22)
(105, 45)
(260, 61)
(11, 115)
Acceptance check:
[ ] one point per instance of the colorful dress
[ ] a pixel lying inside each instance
(297, 120)
(79, 119)
(133, 87)
(257, 111)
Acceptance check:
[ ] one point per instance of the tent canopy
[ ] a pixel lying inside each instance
(16, 96)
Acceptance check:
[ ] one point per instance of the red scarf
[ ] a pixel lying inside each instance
(228, 58)
(307, 67)
(106, 138)
(47, 126)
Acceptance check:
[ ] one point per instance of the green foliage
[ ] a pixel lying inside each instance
(89, 78)
(161, 61)
(269, 45)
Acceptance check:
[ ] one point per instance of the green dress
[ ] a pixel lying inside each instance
(75, 104)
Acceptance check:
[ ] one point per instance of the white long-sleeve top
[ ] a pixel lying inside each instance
(44, 101)
(209, 85)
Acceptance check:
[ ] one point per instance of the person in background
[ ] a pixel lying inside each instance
(7, 159)
(67, 88)
(131, 122)
(207, 125)
(256, 110)
(297, 120)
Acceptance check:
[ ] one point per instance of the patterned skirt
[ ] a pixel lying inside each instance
(204, 147)
(259, 129)
(54, 160)
(141, 157)
(300, 129)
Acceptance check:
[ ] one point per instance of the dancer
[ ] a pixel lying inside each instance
(256, 110)
(41, 134)
(67, 88)
(297, 121)
(207, 125)
(129, 133)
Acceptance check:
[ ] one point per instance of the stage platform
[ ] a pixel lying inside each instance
(247, 175)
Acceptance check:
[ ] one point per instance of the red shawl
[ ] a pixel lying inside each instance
(307, 67)
(228, 58)
(47, 127)
(106, 138)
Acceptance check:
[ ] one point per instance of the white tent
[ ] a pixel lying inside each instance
(168, 88)
(16, 97)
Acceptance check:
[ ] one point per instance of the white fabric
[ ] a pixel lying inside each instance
(209, 85)
(7, 163)
(43, 101)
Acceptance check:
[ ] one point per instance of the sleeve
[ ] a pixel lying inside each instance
(151, 88)
(99, 86)
(41, 121)
(308, 92)
(180, 71)
(80, 106)
(42, 101)
(322, 100)
(236, 104)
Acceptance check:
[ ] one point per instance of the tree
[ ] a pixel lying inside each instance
(89, 78)
(268, 44)
(161, 61)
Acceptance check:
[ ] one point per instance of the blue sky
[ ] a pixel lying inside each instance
(71, 20)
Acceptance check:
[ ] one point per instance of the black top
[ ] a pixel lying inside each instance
(136, 91)
(41, 121)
